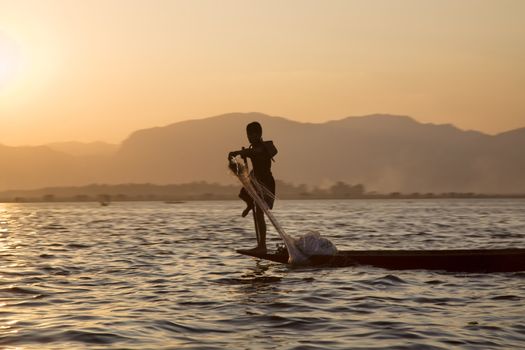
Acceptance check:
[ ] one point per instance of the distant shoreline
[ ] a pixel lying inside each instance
(180, 200)
(199, 191)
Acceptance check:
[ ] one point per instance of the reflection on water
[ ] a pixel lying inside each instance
(150, 275)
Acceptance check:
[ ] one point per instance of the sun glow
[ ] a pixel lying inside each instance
(9, 60)
(30, 62)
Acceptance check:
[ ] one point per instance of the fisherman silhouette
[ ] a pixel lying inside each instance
(261, 154)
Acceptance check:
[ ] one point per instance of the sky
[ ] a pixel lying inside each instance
(98, 70)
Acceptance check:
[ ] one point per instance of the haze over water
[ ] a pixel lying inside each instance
(152, 275)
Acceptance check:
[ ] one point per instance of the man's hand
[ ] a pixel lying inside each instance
(232, 155)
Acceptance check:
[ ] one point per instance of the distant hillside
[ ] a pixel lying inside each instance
(385, 153)
(33, 167)
(84, 148)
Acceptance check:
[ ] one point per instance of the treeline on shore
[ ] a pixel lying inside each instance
(212, 191)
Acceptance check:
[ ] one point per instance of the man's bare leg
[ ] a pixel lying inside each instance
(260, 230)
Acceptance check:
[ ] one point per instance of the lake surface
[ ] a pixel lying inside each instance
(166, 276)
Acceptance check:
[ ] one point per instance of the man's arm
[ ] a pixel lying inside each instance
(245, 152)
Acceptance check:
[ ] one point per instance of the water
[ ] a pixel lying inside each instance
(160, 276)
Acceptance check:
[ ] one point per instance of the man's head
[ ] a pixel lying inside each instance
(254, 132)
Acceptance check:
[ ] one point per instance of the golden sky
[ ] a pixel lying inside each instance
(97, 70)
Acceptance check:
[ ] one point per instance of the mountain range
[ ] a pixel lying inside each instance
(386, 153)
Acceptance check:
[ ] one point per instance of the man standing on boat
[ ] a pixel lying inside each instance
(261, 154)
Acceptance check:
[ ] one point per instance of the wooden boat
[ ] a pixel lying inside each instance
(468, 260)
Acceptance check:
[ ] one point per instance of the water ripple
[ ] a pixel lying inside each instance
(147, 275)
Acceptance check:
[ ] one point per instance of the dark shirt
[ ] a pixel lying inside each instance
(261, 155)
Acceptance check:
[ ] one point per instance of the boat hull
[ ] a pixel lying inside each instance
(482, 260)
